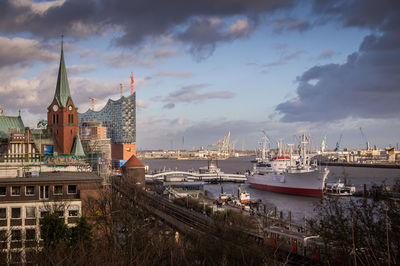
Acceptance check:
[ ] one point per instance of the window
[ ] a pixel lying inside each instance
(73, 211)
(30, 234)
(15, 257)
(3, 236)
(44, 192)
(16, 213)
(43, 213)
(15, 235)
(3, 191)
(58, 190)
(29, 190)
(15, 191)
(3, 213)
(60, 213)
(72, 189)
(30, 212)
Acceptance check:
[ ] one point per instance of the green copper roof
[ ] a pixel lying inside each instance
(62, 90)
(9, 122)
(77, 148)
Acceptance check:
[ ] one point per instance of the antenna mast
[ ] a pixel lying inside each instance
(132, 81)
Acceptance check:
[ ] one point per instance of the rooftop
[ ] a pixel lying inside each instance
(9, 122)
(54, 177)
(133, 162)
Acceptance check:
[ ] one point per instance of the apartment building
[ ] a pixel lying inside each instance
(23, 201)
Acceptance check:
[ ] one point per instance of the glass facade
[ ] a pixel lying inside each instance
(118, 116)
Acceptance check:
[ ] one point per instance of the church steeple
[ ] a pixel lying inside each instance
(62, 93)
(62, 114)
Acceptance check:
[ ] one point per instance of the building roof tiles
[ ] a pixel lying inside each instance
(133, 162)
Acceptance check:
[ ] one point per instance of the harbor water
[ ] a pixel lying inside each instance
(300, 207)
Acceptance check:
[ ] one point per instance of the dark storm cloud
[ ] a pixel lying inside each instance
(136, 20)
(204, 33)
(367, 85)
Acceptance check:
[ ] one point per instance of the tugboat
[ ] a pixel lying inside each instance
(211, 168)
(244, 197)
(339, 189)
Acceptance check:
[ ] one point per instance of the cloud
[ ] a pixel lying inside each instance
(174, 74)
(367, 85)
(142, 56)
(284, 59)
(191, 94)
(169, 106)
(141, 104)
(23, 51)
(326, 54)
(294, 55)
(178, 121)
(38, 7)
(288, 23)
(133, 21)
(76, 69)
(203, 34)
(34, 94)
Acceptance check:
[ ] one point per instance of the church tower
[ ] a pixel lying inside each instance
(62, 115)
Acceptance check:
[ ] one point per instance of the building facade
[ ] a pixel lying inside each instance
(23, 201)
(119, 117)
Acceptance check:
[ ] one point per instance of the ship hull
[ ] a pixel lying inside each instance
(305, 184)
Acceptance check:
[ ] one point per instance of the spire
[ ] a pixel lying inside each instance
(77, 148)
(62, 90)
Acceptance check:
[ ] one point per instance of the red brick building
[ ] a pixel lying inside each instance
(62, 115)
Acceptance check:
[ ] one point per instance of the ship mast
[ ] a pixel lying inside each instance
(304, 142)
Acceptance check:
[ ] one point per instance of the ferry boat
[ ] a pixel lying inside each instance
(299, 177)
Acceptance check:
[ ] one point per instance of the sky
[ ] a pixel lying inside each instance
(206, 68)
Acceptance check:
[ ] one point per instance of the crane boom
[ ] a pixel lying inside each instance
(338, 143)
(364, 139)
(93, 100)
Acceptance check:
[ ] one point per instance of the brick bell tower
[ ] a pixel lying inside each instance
(62, 115)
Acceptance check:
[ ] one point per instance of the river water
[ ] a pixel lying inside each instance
(299, 206)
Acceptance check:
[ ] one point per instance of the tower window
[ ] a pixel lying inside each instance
(54, 118)
(57, 118)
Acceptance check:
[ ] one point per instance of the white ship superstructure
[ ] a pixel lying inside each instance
(298, 177)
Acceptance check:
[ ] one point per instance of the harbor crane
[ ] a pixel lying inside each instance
(222, 146)
(324, 146)
(367, 146)
(93, 100)
(338, 143)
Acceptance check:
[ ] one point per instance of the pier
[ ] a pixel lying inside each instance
(207, 177)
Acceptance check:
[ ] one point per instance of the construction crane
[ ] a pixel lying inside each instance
(364, 139)
(338, 143)
(93, 100)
